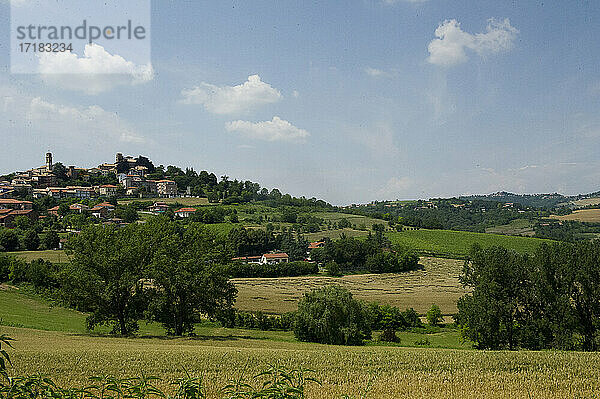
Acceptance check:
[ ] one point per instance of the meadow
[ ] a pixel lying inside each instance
(437, 282)
(457, 244)
(391, 372)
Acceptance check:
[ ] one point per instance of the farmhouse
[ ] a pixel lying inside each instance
(185, 212)
(268, 259)
(313, 245)
(265, 259)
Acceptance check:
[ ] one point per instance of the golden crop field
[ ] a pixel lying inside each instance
(582, 215)
(436, 283)
(586, 202)
(395, 372)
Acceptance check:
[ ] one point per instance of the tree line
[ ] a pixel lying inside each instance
(550, 299)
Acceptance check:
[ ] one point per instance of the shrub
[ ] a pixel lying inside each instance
(330, 315)
(51, 240)
(333, 269)
(9, 240)
(290, 269)
(434, 315)
(31, 240)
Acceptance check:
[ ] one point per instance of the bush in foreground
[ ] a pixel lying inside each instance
(330, 315)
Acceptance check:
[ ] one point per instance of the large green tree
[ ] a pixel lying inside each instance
(105, 275)
(188, 279)
(489, 315)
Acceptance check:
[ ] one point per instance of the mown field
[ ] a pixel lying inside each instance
(394, 372)
(54, 256)
(581, 215)
(515, 227)
(436, 283)
(458, 243)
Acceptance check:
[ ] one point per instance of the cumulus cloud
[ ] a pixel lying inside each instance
(95, 72)
(232, 99)
(450, 47)
(85, 120)
(90, 125)
(274, 130)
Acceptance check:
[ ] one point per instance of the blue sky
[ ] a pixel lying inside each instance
(346, 101)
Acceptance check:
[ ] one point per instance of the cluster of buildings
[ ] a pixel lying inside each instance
(10, 209)
(42, 181)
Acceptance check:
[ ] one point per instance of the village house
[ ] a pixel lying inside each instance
(166, 188)
(158, 208)
(108, 190)
(10, 209)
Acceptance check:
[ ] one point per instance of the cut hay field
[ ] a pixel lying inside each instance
(586, 201)
(395, 372)
(436, 283)
(449, 243)
(582, 215)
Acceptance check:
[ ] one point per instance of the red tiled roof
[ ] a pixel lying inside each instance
(21, 212)
(276, 256)
(105, 205)
(246, 258)
(314, 245)
(186, 210)
(54, 209)
(108, 186)
(13, 201)
(5, 211)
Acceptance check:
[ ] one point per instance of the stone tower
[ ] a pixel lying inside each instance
(49, 161)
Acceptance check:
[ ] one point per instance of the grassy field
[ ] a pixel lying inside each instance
(436, 283)
(395, 372)
(184, 201)
(582, 215)
(54, 256)
(457, 243)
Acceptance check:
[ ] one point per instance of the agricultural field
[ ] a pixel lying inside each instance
(335, 234)
(52, 255)
(436, 283)
(585, 202)
(183, 201)
(581, 215)
(449, 243)
(392, 372)
(516, 227)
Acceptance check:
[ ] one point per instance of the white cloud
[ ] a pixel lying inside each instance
(88, 125)
(274, 130)
(91, 120)
(232, 99)
(379, 73)
(95, 72)
(452, 42)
